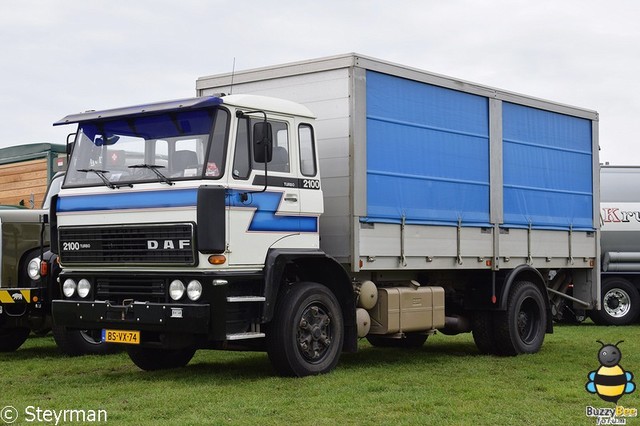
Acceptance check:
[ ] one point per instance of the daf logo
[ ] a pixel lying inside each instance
(168, 244)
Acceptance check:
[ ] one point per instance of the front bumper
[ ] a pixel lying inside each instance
(142, 316)
(20, 307)
(203, 320)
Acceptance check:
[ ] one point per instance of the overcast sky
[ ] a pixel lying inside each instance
(60, 57)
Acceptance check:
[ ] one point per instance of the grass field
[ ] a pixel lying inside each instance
(445, 382)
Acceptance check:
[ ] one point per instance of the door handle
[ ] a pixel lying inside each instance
(291, 198)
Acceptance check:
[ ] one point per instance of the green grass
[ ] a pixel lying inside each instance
(445, 382)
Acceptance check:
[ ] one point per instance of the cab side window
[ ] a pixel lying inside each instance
(280, 158)
(243, 158)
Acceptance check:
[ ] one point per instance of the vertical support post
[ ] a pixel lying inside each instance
(459, 241)
(403, 258)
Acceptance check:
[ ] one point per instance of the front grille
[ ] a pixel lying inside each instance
(117, 289)
(139, 244)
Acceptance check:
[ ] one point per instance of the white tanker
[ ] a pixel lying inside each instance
(620, 245)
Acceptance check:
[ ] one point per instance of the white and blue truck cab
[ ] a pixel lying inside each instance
(443, 205)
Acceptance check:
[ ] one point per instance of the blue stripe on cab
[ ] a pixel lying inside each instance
(265, 217)
(134, 200)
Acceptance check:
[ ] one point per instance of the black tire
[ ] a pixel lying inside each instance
(81, 342)
(620, 303)
(12, 338)
(482, 331)
(306, 334)
(409, 341)
(521, 328)
(152, 359)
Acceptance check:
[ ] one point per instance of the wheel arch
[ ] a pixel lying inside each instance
(315, 266)
(526, 273)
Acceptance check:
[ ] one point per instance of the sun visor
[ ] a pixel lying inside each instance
(146, 109)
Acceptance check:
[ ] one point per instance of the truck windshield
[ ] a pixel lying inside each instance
(166, 147)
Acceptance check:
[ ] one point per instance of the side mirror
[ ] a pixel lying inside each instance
(262, 142)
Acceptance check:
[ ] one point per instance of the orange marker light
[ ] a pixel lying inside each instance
(44, 269)
(217, 259)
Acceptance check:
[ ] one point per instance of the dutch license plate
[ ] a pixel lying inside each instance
(121, 336)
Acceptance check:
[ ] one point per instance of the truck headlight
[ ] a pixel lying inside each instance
(194, 290)
(176, 289)
(33, 268)
(84, 288)
(69, 287)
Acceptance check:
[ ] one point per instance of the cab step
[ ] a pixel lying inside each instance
(247, 335)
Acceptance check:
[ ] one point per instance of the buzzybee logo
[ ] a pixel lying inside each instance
(610, 382)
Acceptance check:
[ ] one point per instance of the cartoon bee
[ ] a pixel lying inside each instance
(610, 381)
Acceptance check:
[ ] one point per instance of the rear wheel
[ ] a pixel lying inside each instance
(482, 331)
(12, 338)
(620, 303)
(409, 340)
(151, 359)
(305, 336)
(521, 328)
(81, 342)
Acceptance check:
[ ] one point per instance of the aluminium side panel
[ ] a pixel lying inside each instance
(427, 154)
(548, 169)
(457, 177)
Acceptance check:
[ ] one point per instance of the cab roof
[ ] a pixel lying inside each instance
(253, 102)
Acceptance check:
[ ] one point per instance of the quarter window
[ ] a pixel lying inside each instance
(307, 150)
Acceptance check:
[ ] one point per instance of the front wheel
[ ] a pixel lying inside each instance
(521, 328)
(12, 338)
(152, 359)
(620, 303)
(81, 342)
(305, 336)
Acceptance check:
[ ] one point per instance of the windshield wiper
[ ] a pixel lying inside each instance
(101, 175)
(154, 168)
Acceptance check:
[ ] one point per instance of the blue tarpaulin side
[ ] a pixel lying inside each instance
(427, 153)
(547, 159)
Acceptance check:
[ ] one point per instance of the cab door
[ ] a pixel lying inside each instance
(262, 216)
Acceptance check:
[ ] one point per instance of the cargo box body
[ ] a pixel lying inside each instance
(421, 171)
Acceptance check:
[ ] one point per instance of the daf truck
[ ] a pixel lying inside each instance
(325, 201)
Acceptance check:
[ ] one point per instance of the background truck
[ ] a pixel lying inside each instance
(27, 284)
(620, 245)
(413, 203)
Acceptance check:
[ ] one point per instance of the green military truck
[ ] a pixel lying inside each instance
(28, 281)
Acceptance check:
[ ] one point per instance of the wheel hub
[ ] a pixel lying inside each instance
(617, 303)
(527, 318)
(314, 333)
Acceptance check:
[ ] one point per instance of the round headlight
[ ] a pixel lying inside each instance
(194, 290)
(69, 287)
(33, 268)
(176, 289)
(84, 287)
